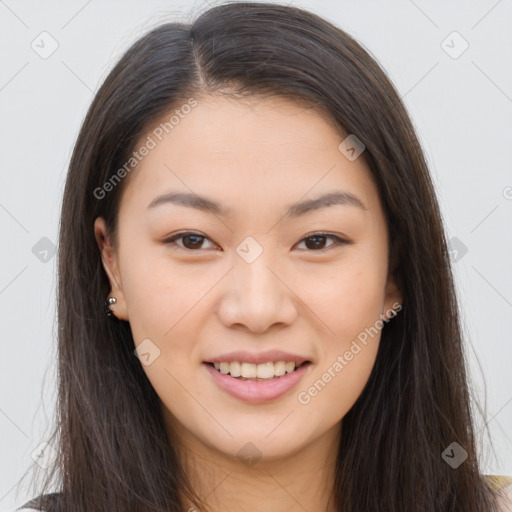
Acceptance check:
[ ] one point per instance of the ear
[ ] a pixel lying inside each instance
(393, 298)
(110, 262)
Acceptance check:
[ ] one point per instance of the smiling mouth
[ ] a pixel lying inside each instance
(257, 373)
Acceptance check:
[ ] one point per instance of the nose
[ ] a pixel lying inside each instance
(257, 297)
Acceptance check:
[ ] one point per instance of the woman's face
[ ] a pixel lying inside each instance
(246, 267)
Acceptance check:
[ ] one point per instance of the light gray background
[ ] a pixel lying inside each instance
(461, 107)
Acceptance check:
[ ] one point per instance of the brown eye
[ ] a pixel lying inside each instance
(316, 241)
(191, 241)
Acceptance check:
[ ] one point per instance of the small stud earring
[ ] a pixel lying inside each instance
(394, 312)
(109, 302)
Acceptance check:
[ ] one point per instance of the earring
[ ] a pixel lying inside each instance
(394, 312)
(108, 302)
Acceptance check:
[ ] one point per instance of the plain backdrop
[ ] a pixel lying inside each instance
(451, 64)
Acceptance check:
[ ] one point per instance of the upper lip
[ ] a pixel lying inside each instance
(259, 357)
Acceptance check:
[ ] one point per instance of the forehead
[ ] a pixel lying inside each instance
(254, 150)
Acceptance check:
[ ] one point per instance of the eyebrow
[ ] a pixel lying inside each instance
(295, 210)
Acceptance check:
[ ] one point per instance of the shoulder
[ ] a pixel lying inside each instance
(505, 500)
(47, 502)
(42, 503)
(504, 485)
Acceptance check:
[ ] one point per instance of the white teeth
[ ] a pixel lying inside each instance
(290, 367)
(235, 369)
(265, 371)
(250, 371)
(279, 368)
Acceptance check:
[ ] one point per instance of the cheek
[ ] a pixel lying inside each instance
(332, 391)
(346, 297)
(158, 292)
(349, 302)
(167, 305)
(350, 306)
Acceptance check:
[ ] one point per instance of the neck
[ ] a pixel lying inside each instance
(300, 481)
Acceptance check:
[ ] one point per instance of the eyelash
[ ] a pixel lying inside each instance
(338, 241)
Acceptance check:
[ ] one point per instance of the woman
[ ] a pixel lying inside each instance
(281, 327)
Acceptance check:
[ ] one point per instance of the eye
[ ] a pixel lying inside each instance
(318, 241)
(194, 241)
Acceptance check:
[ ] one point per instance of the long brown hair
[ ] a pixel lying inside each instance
(113, 454)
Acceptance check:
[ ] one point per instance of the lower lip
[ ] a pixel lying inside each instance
(258, 391)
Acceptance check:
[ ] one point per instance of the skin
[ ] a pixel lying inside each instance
(256, 157)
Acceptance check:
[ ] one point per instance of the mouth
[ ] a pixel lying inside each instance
(254, 389)
(265, 372)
